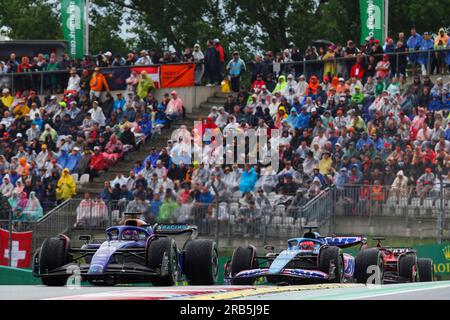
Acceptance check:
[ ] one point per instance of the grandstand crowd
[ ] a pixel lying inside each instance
(354, 121)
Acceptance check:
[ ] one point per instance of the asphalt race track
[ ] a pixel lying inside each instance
(411, 291)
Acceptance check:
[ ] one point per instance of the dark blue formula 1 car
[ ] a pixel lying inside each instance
(132, 253)
(308, 259)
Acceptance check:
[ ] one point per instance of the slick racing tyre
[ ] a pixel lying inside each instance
(162, 254)
(53, 254)
(425, 269)
(407, 267)
(243, 259)
(332, 256)
(201, 262)
(366, 262)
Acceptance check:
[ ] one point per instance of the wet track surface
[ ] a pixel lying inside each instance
(411, 291)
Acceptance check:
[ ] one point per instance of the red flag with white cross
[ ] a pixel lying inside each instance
(21, 248)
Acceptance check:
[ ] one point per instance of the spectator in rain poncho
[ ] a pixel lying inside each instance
(281, 85)
(145, 85)
(91, 212)
(248, 179)
(19, 203)
(66, 187)
(49, 131)
(132, 81)
(84, 211)
(114, 146)
(72, 160)
(399, 187)
(199, 57)
(97, 114)
(33, 210)
(292, 118)
(7, 187)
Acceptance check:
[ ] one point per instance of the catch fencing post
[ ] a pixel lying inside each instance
(216, 229)
(10, 238)
(440, 218)
(42, 82)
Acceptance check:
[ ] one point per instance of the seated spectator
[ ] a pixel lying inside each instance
(66, 187)
(33, 211)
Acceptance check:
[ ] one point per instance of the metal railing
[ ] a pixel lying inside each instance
(280, 214)
(349, 209)
(50, 82)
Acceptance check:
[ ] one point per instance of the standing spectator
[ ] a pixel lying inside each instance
(414, 43)
(212, 65)
(401, 60)
(236, 67)
(97, 84)
(219, 49)
(74, 81)
(145, 85)
(199, 59)
(425, 59)
(144, 59)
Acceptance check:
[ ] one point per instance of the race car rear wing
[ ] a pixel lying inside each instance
(345, 242)
(175, 229)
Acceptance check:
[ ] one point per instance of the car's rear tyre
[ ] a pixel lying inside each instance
(201, 262)
(160, 249)
(243, 259)
(53, 254)
(365, 261)
(329, 256)
(425, 269)
(407, 267)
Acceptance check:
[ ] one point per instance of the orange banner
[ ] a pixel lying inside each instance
(180, 75)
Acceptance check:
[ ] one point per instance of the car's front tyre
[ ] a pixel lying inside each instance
(53, 254)
(162, 255)
(201, 262)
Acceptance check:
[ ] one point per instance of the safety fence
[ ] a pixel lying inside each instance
(377, 200)
(238, 217)
(52, 82)
(270, 217)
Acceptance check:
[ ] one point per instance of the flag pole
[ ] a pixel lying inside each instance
(10, 227)
(86, 21)
(386, 19)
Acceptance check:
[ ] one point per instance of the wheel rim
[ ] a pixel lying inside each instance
(215, 264)
(174, 262)
(341, 270)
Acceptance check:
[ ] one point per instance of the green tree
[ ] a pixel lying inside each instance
(428, 16)
(30, 19)
(105, 28)
(172, 23)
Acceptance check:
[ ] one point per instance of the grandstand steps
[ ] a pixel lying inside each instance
(217, 100)
(126, 164)
(224, 95)
(206, 106)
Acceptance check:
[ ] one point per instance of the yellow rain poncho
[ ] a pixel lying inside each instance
(145, 84)
(66, 187)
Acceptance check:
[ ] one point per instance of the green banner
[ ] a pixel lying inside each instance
(73, 24)
(440, 254)
(372, 19)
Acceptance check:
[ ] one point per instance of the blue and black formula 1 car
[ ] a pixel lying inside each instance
(309, 259)
(132, 253)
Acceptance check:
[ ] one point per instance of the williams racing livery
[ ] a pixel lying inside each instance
(132, 253)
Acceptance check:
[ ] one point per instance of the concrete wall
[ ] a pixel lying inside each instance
(191, 96)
